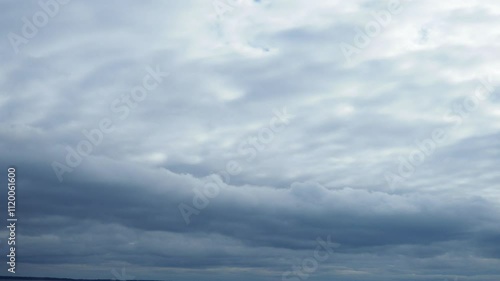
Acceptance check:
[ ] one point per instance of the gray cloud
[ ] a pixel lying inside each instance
(323, 174)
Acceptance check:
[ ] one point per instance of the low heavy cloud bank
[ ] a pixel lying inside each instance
(201, 141)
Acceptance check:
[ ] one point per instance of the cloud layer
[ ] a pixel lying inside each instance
(355, 159)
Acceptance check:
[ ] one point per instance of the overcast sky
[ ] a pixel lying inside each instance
(200, 140)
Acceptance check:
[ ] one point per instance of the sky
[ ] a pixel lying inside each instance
(252, 140)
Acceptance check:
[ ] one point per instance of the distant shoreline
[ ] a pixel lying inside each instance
(61, 279)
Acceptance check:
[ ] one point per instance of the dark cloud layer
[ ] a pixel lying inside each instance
(218, 120)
